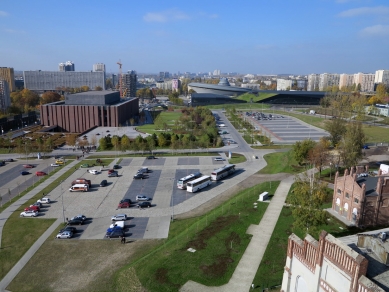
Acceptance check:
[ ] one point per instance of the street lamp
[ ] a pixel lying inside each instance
(63, 210)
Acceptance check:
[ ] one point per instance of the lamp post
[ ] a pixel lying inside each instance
(63, 210)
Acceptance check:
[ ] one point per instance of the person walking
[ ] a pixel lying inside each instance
(124, 240)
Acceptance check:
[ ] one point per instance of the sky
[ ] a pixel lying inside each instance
(149, 36)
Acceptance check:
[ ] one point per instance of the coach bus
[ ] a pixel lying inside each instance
(198, 184)
(222, 172)
(181, 184)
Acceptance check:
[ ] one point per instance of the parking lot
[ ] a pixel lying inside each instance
(100, 203)
(284, 128)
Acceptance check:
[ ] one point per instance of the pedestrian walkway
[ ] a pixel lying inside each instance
(248, 265)
(38, 189)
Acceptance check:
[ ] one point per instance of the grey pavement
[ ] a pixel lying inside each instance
(248, 265)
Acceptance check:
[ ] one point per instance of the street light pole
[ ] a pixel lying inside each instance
(63, 210)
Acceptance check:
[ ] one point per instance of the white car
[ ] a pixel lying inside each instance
(119, 217)
(29, 214)
(93, 171)
(219, 159)
(54, 165)
(65, 234)
(44, 200)
(142, 198)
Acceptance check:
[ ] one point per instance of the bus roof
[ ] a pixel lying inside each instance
(227, 166)
(190, 176)
(199, 179)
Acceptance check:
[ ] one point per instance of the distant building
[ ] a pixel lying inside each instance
(363, 201)
(223, 88)
(67, 66)
(330, 265)
(284, 84)
(5, 98)
(8, 75)
(164, 75)
(82, 111)
(328, 80)
(346, 80)
(313, 82)
(176, 84)
(202, 99)
(367, 84)
(130, 81)
(99, 67)
(382, 76)
(165, 85)
(216, 72)
(52, 80)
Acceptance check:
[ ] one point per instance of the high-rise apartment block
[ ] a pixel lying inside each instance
(284, 84)
(328, 80)
(8, 75)
(216, 72)
(164, 75)
(367, 82)
(313, 82)
(99, 67)
(67, 66)
(5, 98)
(129, 82)
(346, 80)
(382, 76)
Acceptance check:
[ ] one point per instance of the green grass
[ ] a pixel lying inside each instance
(167, 117)
(170, 266)
(281, 162)
(236, 158)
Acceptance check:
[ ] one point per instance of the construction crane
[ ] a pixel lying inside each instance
(120, 78)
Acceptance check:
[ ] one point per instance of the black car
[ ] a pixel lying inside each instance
(116, 166)
(140, 176)
(68, 228)
(103, 183)
(116, 232)
(75, 221)
(8, 160)
(113, 174)
(144, 205)
(125, 200)
(151, 157)
(2, 163)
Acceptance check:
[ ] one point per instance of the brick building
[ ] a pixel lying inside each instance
(82, 111)
(364, 201)
(332, 265)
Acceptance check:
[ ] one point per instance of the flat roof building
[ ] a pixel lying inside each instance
(83, 111)
(8, 75)
(223, 88)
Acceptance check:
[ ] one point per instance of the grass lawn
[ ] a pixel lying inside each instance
(236, 158)
(219, 238)
(281, 162)
(168, 117)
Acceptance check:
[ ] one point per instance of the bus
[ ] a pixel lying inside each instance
(181, 184)
(198, 184)
(222, 172)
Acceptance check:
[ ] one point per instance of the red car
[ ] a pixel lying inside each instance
(40, 173)
(28, 166)
(111, 170)
(124, 205)
(32, 208)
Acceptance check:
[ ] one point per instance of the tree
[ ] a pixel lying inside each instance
(49, 97)
(125, 143)
(103, 143)
(301, 150)
(108, 83)
(71, 139)
(84, 88)
(98, 88)
(116, 142)
(319, 154)
(306, 201)
(352, 144)
(93, 140)
(132, 121)
(336, 128)
(381, 90)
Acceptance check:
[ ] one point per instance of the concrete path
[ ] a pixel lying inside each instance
(27, 256)
(248, 265)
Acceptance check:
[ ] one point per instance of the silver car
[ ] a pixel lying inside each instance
(29, 214)
(65, 234)
(142, 198)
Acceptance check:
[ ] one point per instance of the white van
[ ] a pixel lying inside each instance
(79, 188)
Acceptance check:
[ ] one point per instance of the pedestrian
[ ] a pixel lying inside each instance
(124, 240)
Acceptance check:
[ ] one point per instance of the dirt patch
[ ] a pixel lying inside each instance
(218, 268)
(199, 242)
(161, 275)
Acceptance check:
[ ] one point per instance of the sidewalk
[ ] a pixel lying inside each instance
(248, 265)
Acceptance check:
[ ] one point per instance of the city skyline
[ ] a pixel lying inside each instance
(294, 37)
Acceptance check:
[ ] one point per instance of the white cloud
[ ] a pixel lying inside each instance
(165, 16)
(13, 31)
(364, 11)
(375, 30)
(3, 13)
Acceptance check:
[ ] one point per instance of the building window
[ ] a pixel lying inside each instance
(339, 191)
(347, 195)
(356, 201)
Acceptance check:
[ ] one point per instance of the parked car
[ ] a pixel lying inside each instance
(113, 174)
(28, 166)
(219, 159)
(140, 176)
(79, 216)
(116, 166)
(8, 160)
(2, 163)
(40, 173)
(111, 170)
(119, 217)
(85, 165)
(125, 200)
(24, 172)
(124, 205)
(38, 204)
(54, 165)
(65, 234)
(75, 221)
(44, 200)
(29, 214)
(32, 208)
(61, 162)
(116, 232)
(68, 228)
(142, 198)
(93, 171)
(366, 147)
(151, 157)
(144, 205)
(103, 183)
(143, 170)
